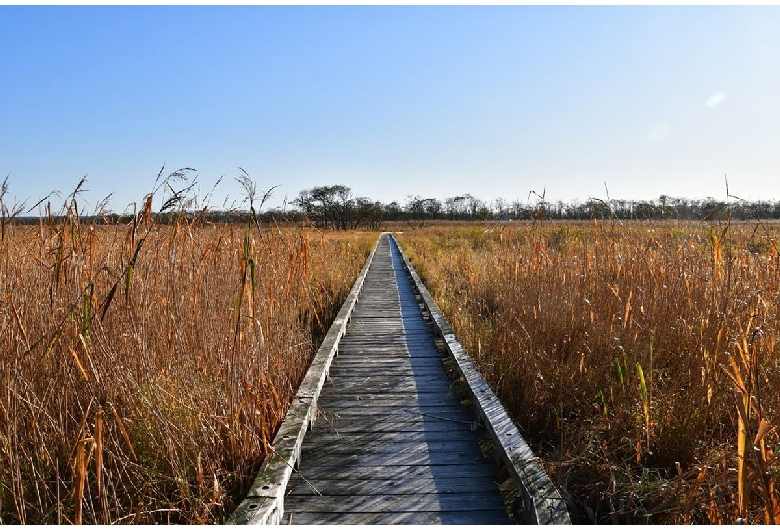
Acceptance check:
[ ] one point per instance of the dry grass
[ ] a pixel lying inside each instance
(640, 360)
(145, 368)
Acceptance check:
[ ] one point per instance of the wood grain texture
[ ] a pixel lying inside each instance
(482, 517)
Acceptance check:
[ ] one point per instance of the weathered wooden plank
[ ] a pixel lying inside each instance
(411, 381)
(433, 373)
(436, 411)
(396, 399)
(363, 424)
(397, 447)
(497, 516)
(425, 502)
(380, 354)
(360, 458)
(403, 485)
(377, 384)
(399, 346)
(461, 420)
(381, 365)
(359, 439)
(386, 340)
(464, 471)
(389, 343)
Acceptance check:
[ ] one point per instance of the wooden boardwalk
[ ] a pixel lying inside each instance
(392, 442)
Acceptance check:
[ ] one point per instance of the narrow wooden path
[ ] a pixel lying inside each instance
(392, 442)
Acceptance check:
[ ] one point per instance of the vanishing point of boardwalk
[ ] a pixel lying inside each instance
(392, 443)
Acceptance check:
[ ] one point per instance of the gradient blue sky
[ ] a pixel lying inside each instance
(393, 101)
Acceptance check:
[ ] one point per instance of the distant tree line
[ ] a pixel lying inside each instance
(336, 207)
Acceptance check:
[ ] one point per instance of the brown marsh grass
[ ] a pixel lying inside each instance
(145, 368)
(640, 360)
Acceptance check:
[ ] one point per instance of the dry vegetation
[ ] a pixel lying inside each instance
(640, 360)
(145, 368)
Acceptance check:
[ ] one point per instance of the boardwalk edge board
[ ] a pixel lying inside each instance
(542, 503)
(264, 502)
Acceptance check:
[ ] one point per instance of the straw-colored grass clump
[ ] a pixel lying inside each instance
(144, 368)
(640, 360)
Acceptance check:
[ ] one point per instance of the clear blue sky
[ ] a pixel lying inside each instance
(393, 101)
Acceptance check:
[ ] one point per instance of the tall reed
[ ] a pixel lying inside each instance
(145, 367)
(619, 348)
